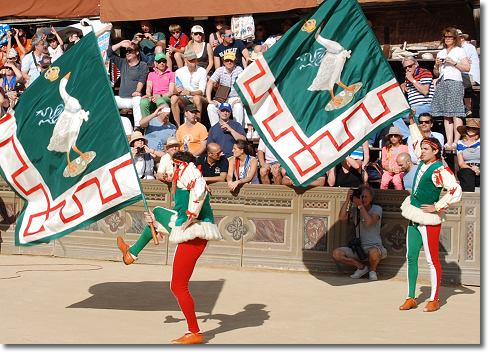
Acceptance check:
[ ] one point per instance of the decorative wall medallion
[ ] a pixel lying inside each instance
(315, 233)
(397, 237)
(237, 228)
(115, 221)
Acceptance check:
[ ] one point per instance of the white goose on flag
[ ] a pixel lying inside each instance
(317, 94)
(63, 149)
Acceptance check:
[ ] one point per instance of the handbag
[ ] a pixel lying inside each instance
(374, 170)
(222, 93)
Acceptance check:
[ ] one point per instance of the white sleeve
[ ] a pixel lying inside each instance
(443, 177)
(416, 137)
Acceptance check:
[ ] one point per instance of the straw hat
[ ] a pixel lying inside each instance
(470, 123)
(135, 136)
(172, 141)
(394, 130)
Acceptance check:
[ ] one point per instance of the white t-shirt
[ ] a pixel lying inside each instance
(450, 71)
(268, 155)
(127, 125)
(30, 66)
(55, 53)
(192, 82)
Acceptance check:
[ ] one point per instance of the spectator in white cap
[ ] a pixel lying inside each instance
(226, 76)
(191, 81)
(202, 49)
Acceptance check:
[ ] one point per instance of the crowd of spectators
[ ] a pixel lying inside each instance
(161, 80)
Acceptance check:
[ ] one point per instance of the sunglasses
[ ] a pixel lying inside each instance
(394, 135)
(174, 32)
(161, 61)
(129, 51)
(219, 22)
(424, 122)
(228, 35)
(449, 36)
(408, 66)
(200, 34)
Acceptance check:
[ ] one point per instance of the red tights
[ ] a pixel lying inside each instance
(186, 256)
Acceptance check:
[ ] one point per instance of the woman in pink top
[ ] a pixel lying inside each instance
(391, 150)
(160, 86)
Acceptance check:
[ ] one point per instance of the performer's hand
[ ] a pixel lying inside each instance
(149, 217)
(189, 222)
(428, 208)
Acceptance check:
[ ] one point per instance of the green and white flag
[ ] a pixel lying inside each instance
(321, 90)
(63, 148)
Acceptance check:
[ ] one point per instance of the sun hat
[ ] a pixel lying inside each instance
(394, 130)
(135, 136)
(172, 141)
(469, 123)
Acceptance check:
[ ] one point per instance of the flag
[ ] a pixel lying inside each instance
(63, 149)
(321, 90)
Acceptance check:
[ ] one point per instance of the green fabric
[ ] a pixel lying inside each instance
(147, 106)
(143, 240)
(426, 192)
(294, 62)
(182, 197)
(163, 216)
(414, 243)
(38, 110)
(89, 83)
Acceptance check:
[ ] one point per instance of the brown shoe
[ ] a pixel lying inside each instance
(432, 306)
(409, 304)
(189, 338)
(127, 256)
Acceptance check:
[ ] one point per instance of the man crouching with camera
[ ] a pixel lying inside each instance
(366, 218)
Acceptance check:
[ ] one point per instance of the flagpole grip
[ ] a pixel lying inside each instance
(153, 231)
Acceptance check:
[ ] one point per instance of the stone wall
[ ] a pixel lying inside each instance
(270, 227)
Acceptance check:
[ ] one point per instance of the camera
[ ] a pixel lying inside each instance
(355, 245)
(13, 31)
(141, 150)
(356, 193)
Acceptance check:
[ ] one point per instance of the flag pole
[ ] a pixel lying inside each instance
(86, 21)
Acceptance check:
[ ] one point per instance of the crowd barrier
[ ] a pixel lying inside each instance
(268, 226)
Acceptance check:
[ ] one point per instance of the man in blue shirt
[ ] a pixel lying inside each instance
(404, 161)
(226, 131)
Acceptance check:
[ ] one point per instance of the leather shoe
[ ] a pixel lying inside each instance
(431, 306)
(126, 256)
(189, 338)
(409, 303)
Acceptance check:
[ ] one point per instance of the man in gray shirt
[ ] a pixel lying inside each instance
(368, 227)
(133, 75)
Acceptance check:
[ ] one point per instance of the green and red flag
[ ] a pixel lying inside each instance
(321, 90)
(63, 149)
